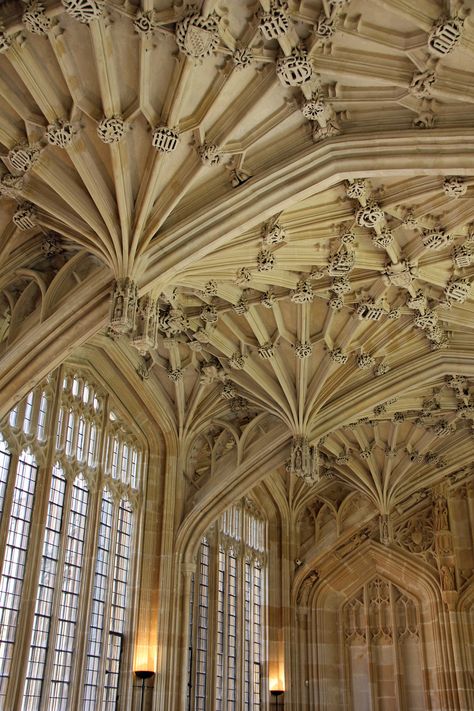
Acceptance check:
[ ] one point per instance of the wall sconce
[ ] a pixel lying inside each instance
(277, 693)
(143, 675)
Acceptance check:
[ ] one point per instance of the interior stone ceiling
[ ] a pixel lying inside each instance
(292, 182)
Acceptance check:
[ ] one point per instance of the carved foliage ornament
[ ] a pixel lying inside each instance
(111, 130)
(35, 19)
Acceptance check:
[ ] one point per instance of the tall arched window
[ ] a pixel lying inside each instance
(226, 614)
(66, 641)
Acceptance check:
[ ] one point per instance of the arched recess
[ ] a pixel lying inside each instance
(361, 650)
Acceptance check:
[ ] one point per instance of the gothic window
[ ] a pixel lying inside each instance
(226, 614)
(73, 626)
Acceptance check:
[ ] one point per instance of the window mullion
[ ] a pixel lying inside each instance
(7, 503)
(108, 600)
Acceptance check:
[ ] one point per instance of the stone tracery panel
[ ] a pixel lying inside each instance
(381, 649)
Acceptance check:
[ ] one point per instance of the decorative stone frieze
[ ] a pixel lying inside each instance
(210, 154)
(123, 306)
(25, 216)
(303, 294)
(165, 139)
(112, 129)
(197, 36)
(84, 11)
(454, 186)
(295, 69)
(23, 156)
(35, 18)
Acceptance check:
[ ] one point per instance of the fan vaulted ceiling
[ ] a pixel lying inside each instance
(292, 183)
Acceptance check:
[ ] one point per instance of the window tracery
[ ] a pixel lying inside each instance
(227, 597)
(83, 570)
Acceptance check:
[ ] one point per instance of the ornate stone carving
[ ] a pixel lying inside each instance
(370, 215)
(165, 139)
(145, 366)
(60, 133)
(447, 575)
(303, 350)
(172, 320)
(454, 186)
(306, 587)
(463, 256)
(337, 356)
(385, 528)
(5, 41)
(342, 262)
(175, 374)
(303, 294)
(209, 314)
(266, 351)
(84, 10)
(332, 128)
(22, 157)
(325, 27)
(304, 460)
(51, 244)
(369, 311)
(265, 260)
(210, 154)
(210, 288)
(111, 130)
(273, 234)
(418, 302)
(435, 239)
(123, 306)
(145, 23)
(268, 299)
(357, 189)
(336, 303)
(229, 391)
(381, 369)
(445, 35)
(275, 23)
(197, 36)
(365, 361)
(384, 239)
(457, 290)
(242, 58)
(341, 285)
(295, 69)
(422, 83)
(354, 542)
(146, 324)
(11, 185)
(425, 119)
(35, 18)
(25, 216)
(243, 276)
(427, 320)
(241, 307)
(237, 361)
